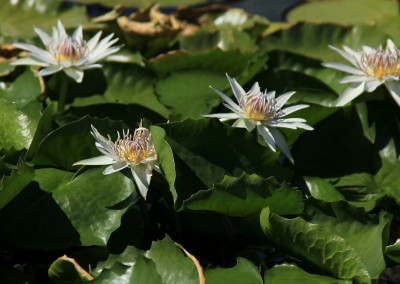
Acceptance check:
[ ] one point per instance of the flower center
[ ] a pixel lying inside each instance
(381, 63)
(137, 148)
(69, 50)
(259, 107)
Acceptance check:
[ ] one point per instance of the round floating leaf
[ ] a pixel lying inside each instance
(67, 269)
(367, 234)
(17, 127)
(246, 195)
(244, 272)
(187, 93)
(291, 274)
(72, 142)
(360, 190)
(25, 89)
(86, 200)
(15, 183)
(346, 11)
(317, 244)
(163, 263)
(165, 157)
(18, 18)
(393, 251)
(128, 84)
(230, 61)
(300, 38)
(323, 190)
(231, 151)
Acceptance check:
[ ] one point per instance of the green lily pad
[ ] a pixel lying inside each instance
(18, 18)
(72, 142)
(300, 38)
(246, 195)
(316, 244)
(345, 11)
(292, 274)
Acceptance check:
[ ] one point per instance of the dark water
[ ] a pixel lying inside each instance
(273, 10)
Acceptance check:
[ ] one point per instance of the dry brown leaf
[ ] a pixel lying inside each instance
(82, 271)
(202, 279)
(150, 22)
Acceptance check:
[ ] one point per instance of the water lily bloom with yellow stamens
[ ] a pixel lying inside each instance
(134, 151)
(72, 54)
(372, 68)
(262, 111)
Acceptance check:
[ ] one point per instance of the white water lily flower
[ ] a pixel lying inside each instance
(373, 67)
(134, 151)
(262, 111)
(72, 54)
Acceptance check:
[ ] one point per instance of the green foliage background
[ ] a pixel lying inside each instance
(244, 212)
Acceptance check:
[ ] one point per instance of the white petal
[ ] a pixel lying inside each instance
(291, 109)
(355, 78)
(46, 39)
(356, 54)
(244, 123)
(100, 160)
(236, 88)
(30, 61)
(368, 50)
(64, 64)
(142, 176)
(61, 31)
(249, 124)
(227, 99)
(36, 52)
(282, 99)
(120, 165)
(239, 113)
(75, 74)
(391, 46)
(255, 89)
(102, 43)
(87, 67)
(343, 67)
(104, 48)
(266, 134)
(106, 143)
(281, 144)
(106, 152)
(271, 94)
(292, 119)
(223, 115)
(104, 54)
(345, 54)
(394, 89)
(93, 41)
(290, 125)
(48, 71)
(239, 123)
(353, 91)
(390, 78)
(370, 86)
(77, 35)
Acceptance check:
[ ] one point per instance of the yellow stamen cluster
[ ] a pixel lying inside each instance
(137, 147)
(381, 63)
(259, 106)
(69, 50)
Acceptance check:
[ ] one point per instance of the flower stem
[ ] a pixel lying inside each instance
(63, 92)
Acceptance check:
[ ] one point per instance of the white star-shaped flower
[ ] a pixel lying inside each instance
(72, 54)
(372, 68)
(134, 151)
(262, 111)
